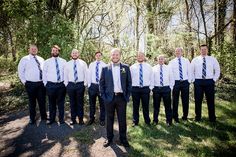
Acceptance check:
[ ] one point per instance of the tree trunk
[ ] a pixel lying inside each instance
(137, 4)
(221, 22)
(204, 21)
(234, 23)
(215, 19)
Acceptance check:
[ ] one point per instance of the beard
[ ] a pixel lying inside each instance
(74, 58)
(55, 55)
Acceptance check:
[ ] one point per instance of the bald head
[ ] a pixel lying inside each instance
(140, 57)
(178, 52)
(161, 59)
(74, 54)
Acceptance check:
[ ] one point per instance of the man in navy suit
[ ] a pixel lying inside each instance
(115, 87)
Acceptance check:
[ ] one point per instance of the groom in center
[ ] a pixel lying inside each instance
(115, 87)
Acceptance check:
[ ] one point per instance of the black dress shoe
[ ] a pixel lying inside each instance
(73, 122)
(184, 118)
(176, 120)
(81, 122)
(107, 143)
(50, 122)
(44, 118)
(90, 122)
(102, 123)
(125, 143)
(198, 120)
(155, 123)
(169, 123)
(62, 122)
(31, 122)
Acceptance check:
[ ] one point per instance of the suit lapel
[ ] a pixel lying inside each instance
(121, 80)
(110, 73)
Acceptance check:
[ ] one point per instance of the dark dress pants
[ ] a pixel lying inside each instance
(56, 96)
(94, 93)
(143, 95)
(118, 104)
(207, 87)
(76, 96)
(159, 93)
(36, 93)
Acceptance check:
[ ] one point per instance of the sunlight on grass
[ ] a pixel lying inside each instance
(187, 138)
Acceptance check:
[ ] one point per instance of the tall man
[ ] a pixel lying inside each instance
(75, 75)
(206, 71)
(182, 74)
(163, 82)
(53, 79)
(141, 74)
(115, 86)
(30, 73)
(94, 74)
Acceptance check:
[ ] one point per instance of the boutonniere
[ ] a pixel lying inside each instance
(123, 70)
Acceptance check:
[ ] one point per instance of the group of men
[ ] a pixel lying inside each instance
(113, 84)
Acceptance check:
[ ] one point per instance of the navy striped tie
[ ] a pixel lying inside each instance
(97, 72)
(140, 75)
(39, 67)
(204, 68)
(161, 76)
(57, 70)
(180, 70)
(75, 71)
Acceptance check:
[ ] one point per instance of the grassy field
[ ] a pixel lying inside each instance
(187, 138)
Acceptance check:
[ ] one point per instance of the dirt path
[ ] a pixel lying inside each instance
(17, 138)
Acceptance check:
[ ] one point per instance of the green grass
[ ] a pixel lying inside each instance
(187, 138)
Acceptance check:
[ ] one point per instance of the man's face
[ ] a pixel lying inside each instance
(161, 60)
(140, 57)
(115, 56)
(98, 56)
(178, 52)
(74, 55)
(204, 50)
(33, 50)
(55, 52)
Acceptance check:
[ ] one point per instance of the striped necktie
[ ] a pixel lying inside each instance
(39, 67)
(97, 72)
(161, 75)
(75, 71)
(180, 69)
(141, 75)
(57, 70)
(204, 68)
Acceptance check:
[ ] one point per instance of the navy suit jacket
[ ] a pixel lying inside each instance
(107, 86)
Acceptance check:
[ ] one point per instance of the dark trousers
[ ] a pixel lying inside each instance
(142, 94)
(94, 93)
(206, 86)
(118, 104)
(183, 88)
(76, 95)
(165, 93)
(36, 92)
(56, 96)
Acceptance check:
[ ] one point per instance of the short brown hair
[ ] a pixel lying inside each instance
(203, 45)
(98, 52)
(57, 47)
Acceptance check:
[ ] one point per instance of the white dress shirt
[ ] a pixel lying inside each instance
(212, 68)
(116, 78)
(82, 70)
(186, 69)
(147, 74)
(92, 71)
(168, 79)
(28, 68)
(50, 72)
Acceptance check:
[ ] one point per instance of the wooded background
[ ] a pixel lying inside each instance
(152, 26)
